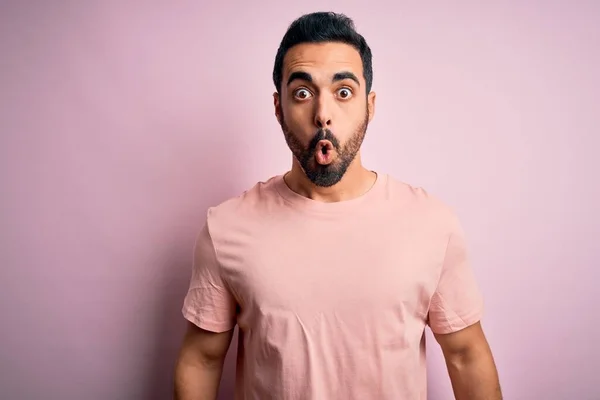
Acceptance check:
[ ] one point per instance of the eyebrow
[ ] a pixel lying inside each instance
(305, 76)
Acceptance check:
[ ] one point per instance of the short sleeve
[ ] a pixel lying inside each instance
(457, 302)
(208, 303)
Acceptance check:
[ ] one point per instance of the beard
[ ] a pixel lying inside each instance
(325, 175)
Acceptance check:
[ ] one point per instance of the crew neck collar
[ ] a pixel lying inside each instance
(304, 203)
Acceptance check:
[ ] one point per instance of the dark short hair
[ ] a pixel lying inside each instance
(320, 27)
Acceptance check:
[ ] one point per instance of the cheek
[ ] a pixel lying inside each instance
(298, 118)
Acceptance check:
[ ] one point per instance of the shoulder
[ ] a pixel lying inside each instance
(419, 203)
(246, 207)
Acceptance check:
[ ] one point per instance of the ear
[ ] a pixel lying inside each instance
(277, 105)
(371, 105)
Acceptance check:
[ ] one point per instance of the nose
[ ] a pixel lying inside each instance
(322, 114)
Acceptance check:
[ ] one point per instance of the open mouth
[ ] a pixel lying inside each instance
(325, 152)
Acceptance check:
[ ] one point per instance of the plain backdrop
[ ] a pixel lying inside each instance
(121, 122)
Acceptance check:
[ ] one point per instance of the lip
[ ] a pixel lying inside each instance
(325, 152)
(324, 146)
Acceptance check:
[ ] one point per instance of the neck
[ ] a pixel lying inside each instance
(356, 181)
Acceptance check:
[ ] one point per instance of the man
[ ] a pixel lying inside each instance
(331, 271)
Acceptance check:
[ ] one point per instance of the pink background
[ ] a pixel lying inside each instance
(121, 123)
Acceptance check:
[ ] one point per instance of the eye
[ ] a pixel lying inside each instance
(302, 94)
(345, 93)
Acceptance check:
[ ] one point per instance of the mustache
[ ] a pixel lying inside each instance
(323, 134)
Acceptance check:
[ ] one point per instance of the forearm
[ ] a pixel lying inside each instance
(197, 381)
(474, 375)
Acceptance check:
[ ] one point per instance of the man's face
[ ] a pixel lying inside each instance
(323, 108)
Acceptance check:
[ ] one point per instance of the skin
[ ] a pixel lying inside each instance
(200, 364)
(304, 106)
(315, 100)
(470, 364)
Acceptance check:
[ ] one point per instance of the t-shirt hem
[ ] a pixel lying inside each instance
(459, 323)
(207, 324)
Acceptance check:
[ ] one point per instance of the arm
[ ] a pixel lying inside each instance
(200, 364)
(210, 308)
(470, 364)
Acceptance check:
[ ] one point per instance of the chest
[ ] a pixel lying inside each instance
(359, 266)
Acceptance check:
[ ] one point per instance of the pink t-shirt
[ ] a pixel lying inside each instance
(332, 299)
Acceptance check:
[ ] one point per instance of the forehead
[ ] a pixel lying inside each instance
(322, 60)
